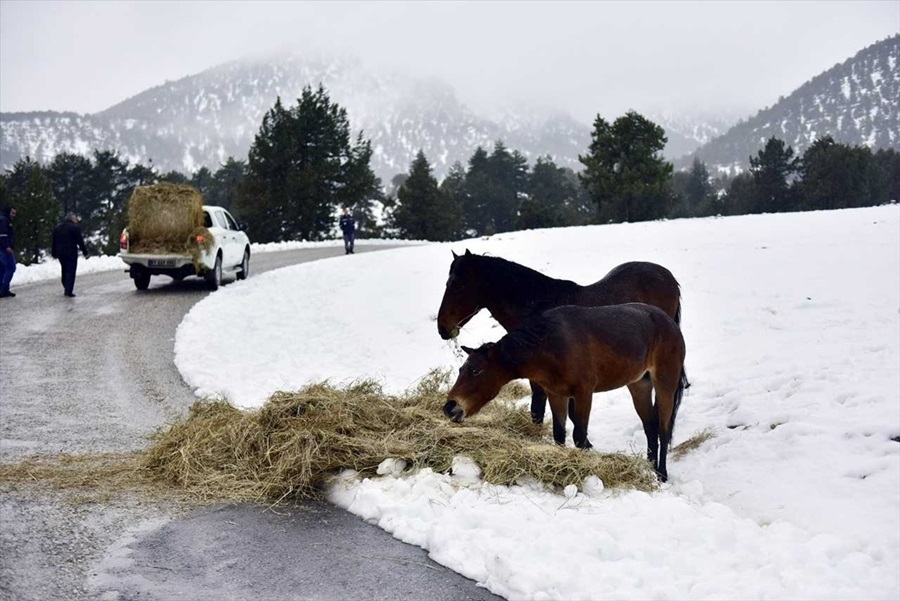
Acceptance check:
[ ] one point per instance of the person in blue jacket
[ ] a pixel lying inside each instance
(348, 227)
(7, 251)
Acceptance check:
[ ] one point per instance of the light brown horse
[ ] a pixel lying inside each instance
(573, 352)
(512, 292)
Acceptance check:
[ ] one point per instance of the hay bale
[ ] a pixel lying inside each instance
(297, 441)
(165, 219)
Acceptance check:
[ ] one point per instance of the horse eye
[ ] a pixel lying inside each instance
(477, 372)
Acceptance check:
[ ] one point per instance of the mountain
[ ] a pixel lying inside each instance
(205, 118)
(686, 132)
(855, 102)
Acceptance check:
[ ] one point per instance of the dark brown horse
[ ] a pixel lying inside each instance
(573, 352)
(513, 292)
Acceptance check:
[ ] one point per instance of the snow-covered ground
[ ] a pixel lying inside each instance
(792, 325)
(28, 274)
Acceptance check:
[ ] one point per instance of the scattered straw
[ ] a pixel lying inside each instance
(298, 440)
(294, 444)
(692, 443)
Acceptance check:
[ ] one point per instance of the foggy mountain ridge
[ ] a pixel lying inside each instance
(201, 120)
(856, 102)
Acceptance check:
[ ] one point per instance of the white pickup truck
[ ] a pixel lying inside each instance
(230, 252)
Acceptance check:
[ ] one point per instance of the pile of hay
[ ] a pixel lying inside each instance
(297, 441)
(165, 219)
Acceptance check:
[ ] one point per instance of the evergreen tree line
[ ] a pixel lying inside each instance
(626, 180)
(305, 165)
(97, 188)
(829, 175)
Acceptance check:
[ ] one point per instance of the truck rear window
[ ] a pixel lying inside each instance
(207, 220)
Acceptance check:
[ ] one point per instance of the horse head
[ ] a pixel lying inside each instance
(480, 379)
(462, 296)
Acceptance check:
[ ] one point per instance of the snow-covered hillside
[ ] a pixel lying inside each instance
(855, 102)
(205, 118)
(792, 323)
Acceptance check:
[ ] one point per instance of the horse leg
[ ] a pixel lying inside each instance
(558, 410)
(666, 385)
(538, 403)
(642, 397)
(580, 412)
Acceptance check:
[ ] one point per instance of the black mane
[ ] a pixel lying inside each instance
(518, 281)
(527, 336)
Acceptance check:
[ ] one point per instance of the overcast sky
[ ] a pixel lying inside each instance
(587, 57)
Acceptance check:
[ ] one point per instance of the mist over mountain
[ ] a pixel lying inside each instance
(201, 120)
(855, 102)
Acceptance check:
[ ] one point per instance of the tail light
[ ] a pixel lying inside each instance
(123, 241)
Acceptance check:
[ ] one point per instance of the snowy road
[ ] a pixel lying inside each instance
(95, 374)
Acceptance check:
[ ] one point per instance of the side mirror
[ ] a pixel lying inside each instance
(242, 226)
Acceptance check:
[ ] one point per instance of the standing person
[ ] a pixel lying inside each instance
(7, 251)
(348, 226)
(67, 240)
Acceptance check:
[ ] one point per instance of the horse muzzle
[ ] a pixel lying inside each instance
(448, 334)
(454, 411)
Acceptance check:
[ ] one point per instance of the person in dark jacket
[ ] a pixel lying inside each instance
(348, 227)
(67, 240)
(7, 251)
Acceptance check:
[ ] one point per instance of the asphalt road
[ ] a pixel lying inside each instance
(96, 374)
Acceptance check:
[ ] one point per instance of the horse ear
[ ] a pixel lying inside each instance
(455, 256)
(468, 350)
(468, 254)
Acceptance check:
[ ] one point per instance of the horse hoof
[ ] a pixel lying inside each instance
(454, 411)
(662, 477)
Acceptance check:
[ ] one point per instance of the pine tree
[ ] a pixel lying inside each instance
(693, 189)
(28, 189)
(476, 219)
(508, 186)
(835, 176)
(886, 179)
(70, 179)
(202, 179)
(555, 198)
(361, 188)
(301, 168)
(772, 169)
(496, 184)
(226, 181)
(454, 188)
(624, 172)
(110, 187)
(742, 195)
(423, 212)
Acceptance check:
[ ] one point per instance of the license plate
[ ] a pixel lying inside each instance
(161, 263)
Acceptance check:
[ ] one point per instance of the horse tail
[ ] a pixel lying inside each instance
(676, 401)
(677, 319)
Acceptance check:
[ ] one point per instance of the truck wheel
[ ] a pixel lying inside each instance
(142, 280)
(214, 279)
(244, 273)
